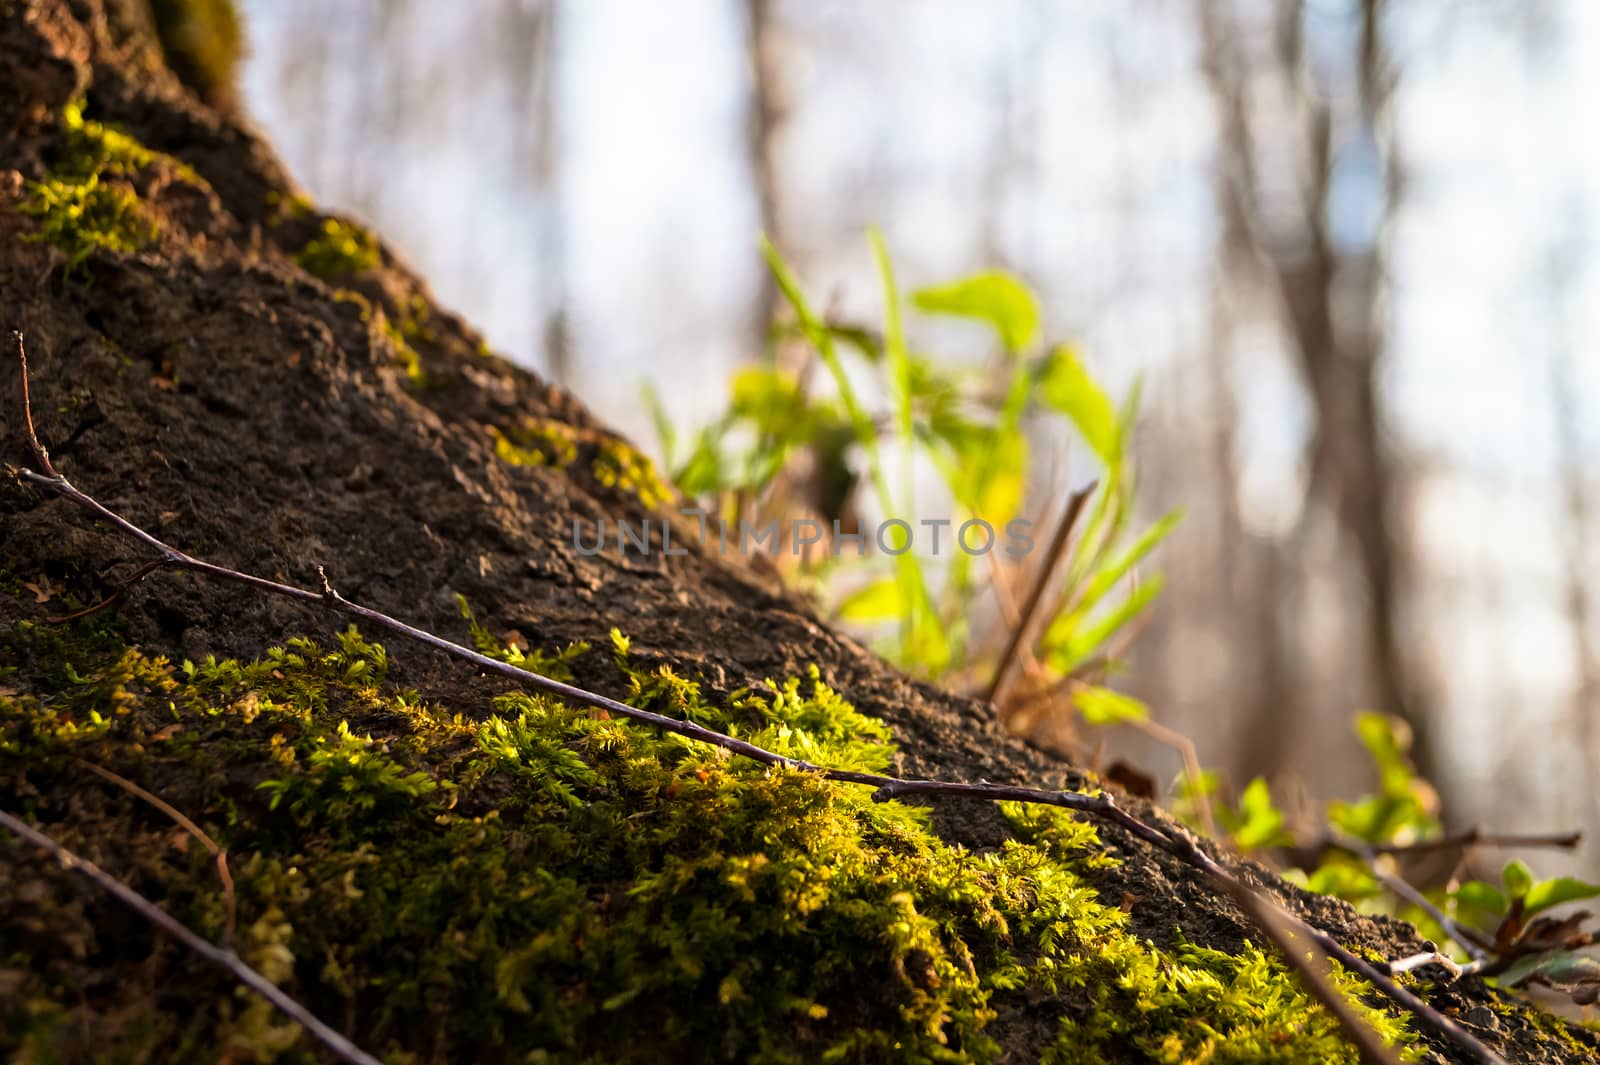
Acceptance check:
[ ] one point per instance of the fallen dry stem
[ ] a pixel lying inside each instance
(1041, 581)
(220, 856)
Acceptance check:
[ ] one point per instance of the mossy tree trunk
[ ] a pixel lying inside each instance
(442, 867)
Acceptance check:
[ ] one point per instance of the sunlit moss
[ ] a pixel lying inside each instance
(405, 356)
(83, 205)
(339, 250)
(624, 467)
(537, 442)
(549, 883)
(81, 217)
(613, 462)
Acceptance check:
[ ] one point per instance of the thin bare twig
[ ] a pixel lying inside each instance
(1171, 840)
(1434, 957)
(1176, 740)
(1047, 569)
(1477, 837)
(226, 959)
(1471, 941)
(140, 574)
(183, 822)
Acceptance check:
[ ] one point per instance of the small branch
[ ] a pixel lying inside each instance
(1477, 837)
(225, 959)
(1047, 569)
(1433, 957)
(40, 456)
(140, 574)
(183, 822)
(1176, 740)
(1398, 885)
(1174, 841)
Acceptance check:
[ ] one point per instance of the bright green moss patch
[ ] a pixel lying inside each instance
(546, 883)
(339, 250)
(537, 442)
(611, 461)
(82, 217)
(81, 205)
(405, 356)
(621, 466)
(413, 327)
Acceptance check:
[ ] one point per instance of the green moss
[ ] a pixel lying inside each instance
(551, 884)
(82, 205)
(82, 217)
(537, 442)
(203, 43)
(621, 466)
(339, 250)
(1556, 1027)
(405, 356)
(287, 207)
(413, 328)
(614, 463)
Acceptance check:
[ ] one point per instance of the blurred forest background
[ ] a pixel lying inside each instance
(1348, 243)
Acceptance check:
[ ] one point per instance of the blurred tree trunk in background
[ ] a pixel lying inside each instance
(538, 153)
(1278, 214)
(1579, 532)
(764, 120)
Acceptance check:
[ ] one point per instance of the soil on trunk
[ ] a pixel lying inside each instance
(439, 866)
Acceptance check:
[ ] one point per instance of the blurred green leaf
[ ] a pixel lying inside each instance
(1190, 791)
(666, 432)
(702, 471)
(1403, 804)
(992, 296)
(1066, 385)
(989, 477)
(1103, 706)
(1387, 739)
(768, 397)
(1481, 896)
(894, 341)
(1257, 822)
(1548, 893)
(1344, 879)
(1108, 575)
(878, 600)
(1561, 968)
(1071, 640)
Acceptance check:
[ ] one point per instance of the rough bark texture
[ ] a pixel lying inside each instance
(212, 389)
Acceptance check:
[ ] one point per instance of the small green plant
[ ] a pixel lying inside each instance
(1353, 858)
(513, 650)
(807, 440)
